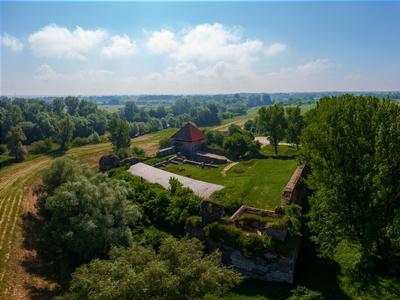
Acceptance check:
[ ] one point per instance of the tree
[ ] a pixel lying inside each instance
(240, 145)
(295, 125)
(72, 104)
(352, 146)
(86, 213)
(58, 106)
(271, 121)
(120, 131)
(15, 137)
(130, 110)
(65, 130)
(178, 271)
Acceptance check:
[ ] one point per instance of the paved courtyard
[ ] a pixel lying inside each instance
(154, 175)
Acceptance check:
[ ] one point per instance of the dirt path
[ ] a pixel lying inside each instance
(227, 167)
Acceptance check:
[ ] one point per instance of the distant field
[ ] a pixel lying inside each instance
(111, 108)
(257, 182)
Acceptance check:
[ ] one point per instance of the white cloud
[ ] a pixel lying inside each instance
(121, 46)
(162, 42)
(60, 42)
(207, 43)
(275, 48)
(11, 42)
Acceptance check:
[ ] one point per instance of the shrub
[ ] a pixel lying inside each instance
(302, 293)
(80, 141)
(165, 143)
(123, 153)
(3, 149)
(226, 233)
(194, 221)
(41, 146)
(153, 237)
(94, 138)
(137, 151)
(250, 244)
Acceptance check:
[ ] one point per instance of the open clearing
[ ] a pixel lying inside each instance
(257, 182)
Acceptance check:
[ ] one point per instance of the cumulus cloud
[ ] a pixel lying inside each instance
(162, 42)
(121, 46)
(60, 42)
(275, 49)
(207, 43)
(11, 42)
(204, 43)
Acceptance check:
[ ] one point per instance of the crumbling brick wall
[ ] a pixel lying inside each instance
(295, 190)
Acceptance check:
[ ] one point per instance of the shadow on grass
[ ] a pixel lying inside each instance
(49, 270)
(6, 162)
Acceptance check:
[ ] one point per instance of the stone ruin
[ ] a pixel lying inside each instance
(294, 191)
(271, 266)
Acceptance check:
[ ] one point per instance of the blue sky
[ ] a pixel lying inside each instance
(225, 47)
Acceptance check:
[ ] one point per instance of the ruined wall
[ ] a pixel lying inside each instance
(295, 190)
(269, 267)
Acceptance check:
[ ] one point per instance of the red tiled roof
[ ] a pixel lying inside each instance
(189, 133)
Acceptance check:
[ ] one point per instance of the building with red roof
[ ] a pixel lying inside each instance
(189, 139)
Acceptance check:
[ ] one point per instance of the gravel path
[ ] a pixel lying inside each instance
(227, 167)
(154, 175)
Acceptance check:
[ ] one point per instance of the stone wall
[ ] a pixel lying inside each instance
(295, 190)
(211, 212)
(269, 267)
(166, 151)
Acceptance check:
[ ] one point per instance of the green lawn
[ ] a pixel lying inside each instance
(257, 182)
(282, 150)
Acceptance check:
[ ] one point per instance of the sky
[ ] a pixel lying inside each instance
(104, 48)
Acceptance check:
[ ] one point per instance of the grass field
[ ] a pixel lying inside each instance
(257, 182)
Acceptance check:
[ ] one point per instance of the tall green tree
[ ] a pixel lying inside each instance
(58, 106)
(86, 213)
(120, 134)
(72, 104)
(272, 122)
(352, 145)
(130, 110)
(15, 137)
(65, 131)
(295, 125)
(178, 271)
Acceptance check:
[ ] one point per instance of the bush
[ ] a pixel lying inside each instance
(123, 153)
(194, 221)
(153, 237)
(41, 146)
(3, 149)
(94, 138)
(302, 293)
(249, 244)
(165, 143)
(80, 141)
(137, 151)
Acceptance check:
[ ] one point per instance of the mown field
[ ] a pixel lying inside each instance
(257, 182)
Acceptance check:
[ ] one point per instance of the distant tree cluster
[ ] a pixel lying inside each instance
(27, 121)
